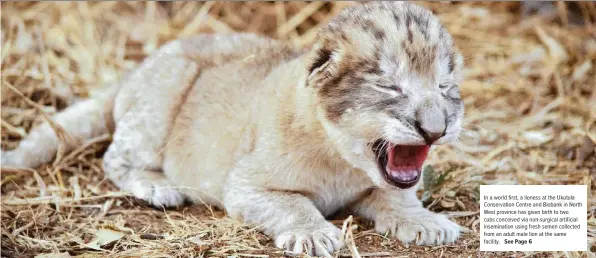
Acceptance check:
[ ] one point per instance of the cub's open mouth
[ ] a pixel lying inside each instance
(400, 165)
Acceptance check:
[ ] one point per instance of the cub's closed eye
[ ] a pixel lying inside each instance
(393, 87)
(443, 86)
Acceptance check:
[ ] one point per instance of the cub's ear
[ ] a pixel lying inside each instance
(323, 65)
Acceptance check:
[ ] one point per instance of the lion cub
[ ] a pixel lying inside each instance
(282, 138)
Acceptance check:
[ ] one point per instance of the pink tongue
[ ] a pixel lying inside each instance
(405, 161)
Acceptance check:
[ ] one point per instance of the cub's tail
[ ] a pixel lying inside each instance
(79, 122)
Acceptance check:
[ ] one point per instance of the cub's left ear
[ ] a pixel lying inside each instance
(323, 65)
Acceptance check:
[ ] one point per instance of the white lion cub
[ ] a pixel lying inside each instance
(282, 138)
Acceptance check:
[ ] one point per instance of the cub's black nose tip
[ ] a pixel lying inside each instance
(429, 136)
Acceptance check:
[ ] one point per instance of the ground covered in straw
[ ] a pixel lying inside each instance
(530, 119)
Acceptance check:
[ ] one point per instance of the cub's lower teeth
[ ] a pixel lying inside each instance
(407, 175)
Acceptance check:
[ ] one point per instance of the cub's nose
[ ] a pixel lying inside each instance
(430, 123)
(430, 136)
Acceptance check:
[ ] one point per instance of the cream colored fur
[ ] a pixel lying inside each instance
(234, 122)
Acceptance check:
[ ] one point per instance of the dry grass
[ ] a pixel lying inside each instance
(531, 119)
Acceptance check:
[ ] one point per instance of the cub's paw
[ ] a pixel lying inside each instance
(419, 226)
(159, 193)
(321, 241)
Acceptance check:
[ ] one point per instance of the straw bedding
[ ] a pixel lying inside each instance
(530, 119)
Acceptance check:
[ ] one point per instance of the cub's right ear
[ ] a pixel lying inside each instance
(323, 66)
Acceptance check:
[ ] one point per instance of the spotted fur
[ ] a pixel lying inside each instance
(392, 57)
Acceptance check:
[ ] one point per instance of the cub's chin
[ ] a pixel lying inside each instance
(400, 165)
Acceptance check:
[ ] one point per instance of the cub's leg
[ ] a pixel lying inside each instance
(144, 111)
(148, 104)
(290, 217)
(134, 164)
(402, 215)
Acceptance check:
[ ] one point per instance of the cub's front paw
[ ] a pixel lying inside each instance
(321, 241)
(419, 226)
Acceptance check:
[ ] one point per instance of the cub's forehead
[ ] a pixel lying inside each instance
(394, 34)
